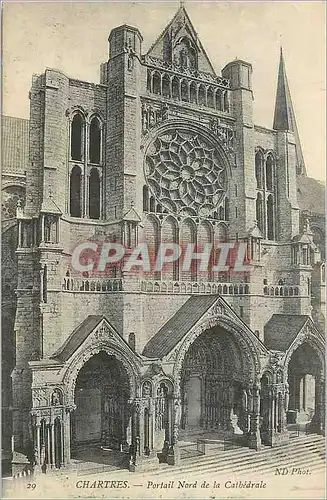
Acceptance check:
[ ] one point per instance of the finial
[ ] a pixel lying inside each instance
(181, 4)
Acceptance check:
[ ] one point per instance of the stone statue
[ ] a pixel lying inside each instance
(146, 389)
(56, 398)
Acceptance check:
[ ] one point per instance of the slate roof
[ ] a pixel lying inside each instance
(284, 117)
(182, 15)
(14, 144)
(311, 194)
(77, 337)
(282, 329)
(178, 325)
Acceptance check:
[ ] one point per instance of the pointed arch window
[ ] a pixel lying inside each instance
(270, 173)
(270, 218)
(95, 141)
(45, 284)
(258, 170)
(193, 92)
(175, 87)
(221, 213)
(94, 194)
(166, 86)
(259, 212)
(218, 100)
(77, 138)
(75, 192)
(156, 83)
(184, 90)
(152, 204)
(202, 95)
(211, 97)
(226, 209)
(226, 102)
(145, 199)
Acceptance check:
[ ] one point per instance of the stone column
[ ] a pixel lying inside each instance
(179, 89)
(170, 87)
(254, 439)
(20, 234)
(48, 443)
(38, 444)
(173, 457)
(206, 96)
(129, 424)
(222, 101)
(53, 461)
(277, 432)
(62, 445)
(66, 435)
(318, 421)
(135, 440)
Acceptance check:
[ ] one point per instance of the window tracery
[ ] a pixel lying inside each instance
(185, 173)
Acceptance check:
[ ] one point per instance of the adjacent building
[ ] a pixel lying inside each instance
(162, 150)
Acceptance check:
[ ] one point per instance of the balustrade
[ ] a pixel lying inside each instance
(72, 284)
(200, 287)
(107, 285)
(188, 85)
(281, 290)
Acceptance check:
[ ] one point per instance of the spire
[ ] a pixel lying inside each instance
(284, 118)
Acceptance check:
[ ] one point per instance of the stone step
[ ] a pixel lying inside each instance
(304, 446)
(308, 450)
(241, 465)
(252, 458)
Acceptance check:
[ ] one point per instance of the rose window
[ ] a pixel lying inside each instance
(185, 173)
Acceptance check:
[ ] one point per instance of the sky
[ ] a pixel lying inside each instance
(73, 37)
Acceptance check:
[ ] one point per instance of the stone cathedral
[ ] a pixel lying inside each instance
(163, 149)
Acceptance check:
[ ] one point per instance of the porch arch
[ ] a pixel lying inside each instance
(131, 366)
(304, 367)
(229, 403)
(128, 361)
(251, 351)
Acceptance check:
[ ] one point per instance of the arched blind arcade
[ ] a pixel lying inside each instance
(75, 192)
(94, 194)
(77, 136)
(95, 141)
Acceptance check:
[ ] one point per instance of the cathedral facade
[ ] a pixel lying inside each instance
(162, 150)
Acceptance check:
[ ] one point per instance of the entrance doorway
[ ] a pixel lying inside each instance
(193, 391)
(101, 397)
(212, 386)
(304, 370)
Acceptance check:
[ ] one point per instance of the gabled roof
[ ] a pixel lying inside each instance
(14, 144)
(187, 317)
(100, 330)
(310, 194)
(282, 329)
(177, 327)
(132, 216)
(77, 337)
(284, 118)
(50, 207)
(181, 25)
(80, 334)
(255, 232)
